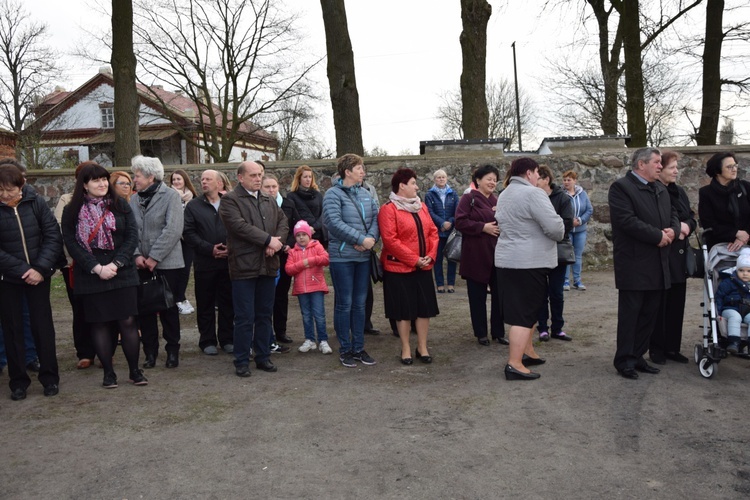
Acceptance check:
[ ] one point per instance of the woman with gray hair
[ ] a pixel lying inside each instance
(441, 202)
(158, 212)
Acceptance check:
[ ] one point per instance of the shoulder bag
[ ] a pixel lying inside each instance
(452, 248)
(154, 295)
(694, 265)
(565, 252)
(376, 267)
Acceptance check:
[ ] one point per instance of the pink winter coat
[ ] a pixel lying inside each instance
(307, 279)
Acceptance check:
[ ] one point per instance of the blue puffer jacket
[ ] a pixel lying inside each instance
(442, 212)
(342, 207)
(733, 293)
(582, 208)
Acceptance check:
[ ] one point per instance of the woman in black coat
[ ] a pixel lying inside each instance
(307, 198)
(723, 205)
(100, 233)
(667, 337)
(30, 251)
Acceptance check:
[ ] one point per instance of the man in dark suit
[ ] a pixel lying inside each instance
(644, 224)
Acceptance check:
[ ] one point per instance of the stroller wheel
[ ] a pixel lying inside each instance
(698, 352)
(707, 368)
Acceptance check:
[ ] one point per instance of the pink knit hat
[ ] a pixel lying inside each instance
(302, 227)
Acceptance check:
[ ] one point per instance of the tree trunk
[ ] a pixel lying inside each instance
(127, 103)
(475, 14)
(634, 102)
(341, 79)
(609, 62)
(711, 109)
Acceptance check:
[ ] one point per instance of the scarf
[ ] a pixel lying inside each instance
(442, 192)
(731, 192)
(185, 195)
(148, 193)
(412, 205)
(92, 211)
(279, 199)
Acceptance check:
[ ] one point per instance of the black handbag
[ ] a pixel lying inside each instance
(694, 265)
(376, 267)
(154, 295)
(566, 254)
(452, 248)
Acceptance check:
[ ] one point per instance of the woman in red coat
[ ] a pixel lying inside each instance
(410, 241)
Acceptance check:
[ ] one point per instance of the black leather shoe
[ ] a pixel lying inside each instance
(513, 374)
(33, 366)
(628, 373)
(675, 356)
(658, 358)
(372, 331)
(483, 341)
(150, 361)
(173, 359)
(646, 368)
(18, 394)
(502, 340)
(406, 361)
(242, 371)
(529, 361)
(266, 366)
(283, 338)
(51, 390)
(424, 359)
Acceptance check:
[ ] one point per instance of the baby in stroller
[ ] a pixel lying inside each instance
(733, 301)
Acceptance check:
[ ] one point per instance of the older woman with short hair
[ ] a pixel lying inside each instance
(159, 215)
(441, 201)
(526, 251)
(410, 242)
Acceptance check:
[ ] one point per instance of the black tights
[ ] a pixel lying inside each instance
(104, 342)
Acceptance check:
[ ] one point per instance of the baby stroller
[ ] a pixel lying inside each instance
(720, 263)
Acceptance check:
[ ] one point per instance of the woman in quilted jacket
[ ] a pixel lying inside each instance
(441, 202)
(410, 243)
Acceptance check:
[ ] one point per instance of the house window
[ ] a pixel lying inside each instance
(108, 117)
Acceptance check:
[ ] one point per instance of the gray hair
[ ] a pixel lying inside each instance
(148, 166)
(439, 172)
(644, 155)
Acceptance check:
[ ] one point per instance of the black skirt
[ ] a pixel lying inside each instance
(112, 305)
(409, 296)
(522, 293)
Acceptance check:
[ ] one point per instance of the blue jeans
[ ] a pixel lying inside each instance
(28, 340)
(734, 323)
(350, 282)
(579, 243)
(439, 266)
(555, 299)
(253, 308)
(313, 310)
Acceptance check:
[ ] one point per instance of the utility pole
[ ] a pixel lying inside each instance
(518, 107)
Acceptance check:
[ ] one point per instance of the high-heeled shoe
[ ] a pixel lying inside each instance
(513, 374)
(423, 359)
(529, 361)
(406, 361)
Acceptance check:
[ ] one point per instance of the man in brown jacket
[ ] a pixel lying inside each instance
(255, 228)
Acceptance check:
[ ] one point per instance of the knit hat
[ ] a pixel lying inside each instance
(302, 227)
(744, 259)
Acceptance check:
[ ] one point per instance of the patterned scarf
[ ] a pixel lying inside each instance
(92, 211)
(442, 192)
(412, 205)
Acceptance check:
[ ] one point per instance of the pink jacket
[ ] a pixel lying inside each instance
(307, 279)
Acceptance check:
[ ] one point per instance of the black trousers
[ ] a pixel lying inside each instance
(667, 336)
(214, 289)
(281, 298)
(637, 313)
(477, 293)
(82, 340)
(170, 319)
(182, 282)
(42, 330)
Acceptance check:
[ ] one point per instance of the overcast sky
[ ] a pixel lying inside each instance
(406, 52)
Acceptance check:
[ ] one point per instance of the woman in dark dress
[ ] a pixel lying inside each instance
(305, 194)
(100, 233)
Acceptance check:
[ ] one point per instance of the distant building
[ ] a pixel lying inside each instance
(79, 126)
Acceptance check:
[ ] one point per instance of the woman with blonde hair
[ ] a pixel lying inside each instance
(307, 198)
(180, 182)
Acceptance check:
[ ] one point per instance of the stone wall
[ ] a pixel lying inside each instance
(596, 169)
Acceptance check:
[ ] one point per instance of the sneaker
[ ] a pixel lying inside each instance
(733, 347)
(210, 350)
(308, 345)
(566, 286)
(228, 348)
(579, 286)
(325, 348)
(364, 358)
(185, 307)
(347, 359)
(137, 378)
(110, 381)
(278, 348)
(543, 336)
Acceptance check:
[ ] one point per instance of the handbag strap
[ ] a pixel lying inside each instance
(98, 225)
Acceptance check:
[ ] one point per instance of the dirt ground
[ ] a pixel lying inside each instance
(452, 429)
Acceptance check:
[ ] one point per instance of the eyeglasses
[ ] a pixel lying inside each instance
(123, 184)
(733, 166)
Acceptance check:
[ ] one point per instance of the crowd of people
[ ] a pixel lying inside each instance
(249, 245)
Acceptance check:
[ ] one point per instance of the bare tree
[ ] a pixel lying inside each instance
(27, 65)
(127, 103)
(295, 121)
(501, 105)
(475, 14)
(235, 60)
(342, 79)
